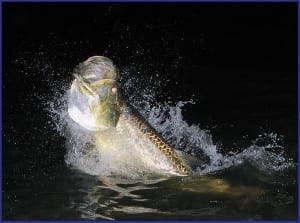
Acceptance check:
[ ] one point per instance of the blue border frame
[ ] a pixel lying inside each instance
(298, 109)
(1, 132)
(149, 1)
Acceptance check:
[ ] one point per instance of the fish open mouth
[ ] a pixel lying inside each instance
(95, 102)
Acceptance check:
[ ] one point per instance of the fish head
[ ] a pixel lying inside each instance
(94, 100)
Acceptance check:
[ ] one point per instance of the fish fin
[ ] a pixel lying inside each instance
(191, 161)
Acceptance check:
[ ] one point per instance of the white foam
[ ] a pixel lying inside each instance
(168, 121)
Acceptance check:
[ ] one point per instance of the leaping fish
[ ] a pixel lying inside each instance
(96, 104)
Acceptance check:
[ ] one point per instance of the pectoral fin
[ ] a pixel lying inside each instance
(189, 160)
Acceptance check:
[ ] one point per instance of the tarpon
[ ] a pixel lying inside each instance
(96, 104)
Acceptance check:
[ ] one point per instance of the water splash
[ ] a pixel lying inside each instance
(265, 153)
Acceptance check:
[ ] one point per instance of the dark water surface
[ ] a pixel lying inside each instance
(237, 62)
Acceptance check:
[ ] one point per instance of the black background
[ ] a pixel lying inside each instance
(238, 61)
(217, 45)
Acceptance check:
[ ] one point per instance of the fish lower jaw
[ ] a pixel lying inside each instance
(178, 174)
(84, 120)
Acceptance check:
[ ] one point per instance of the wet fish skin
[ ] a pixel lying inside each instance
(94, 105)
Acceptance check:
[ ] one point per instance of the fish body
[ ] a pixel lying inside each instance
(137, 127)
(97, 106)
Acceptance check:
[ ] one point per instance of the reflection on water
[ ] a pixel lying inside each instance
(107, 196)
(203, 197)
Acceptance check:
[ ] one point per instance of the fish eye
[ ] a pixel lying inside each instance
(113, 89)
